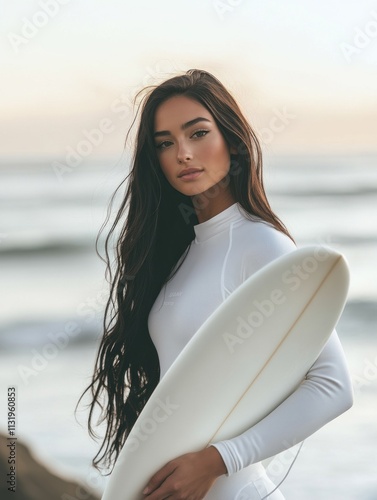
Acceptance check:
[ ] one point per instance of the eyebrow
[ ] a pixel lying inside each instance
(183, 127)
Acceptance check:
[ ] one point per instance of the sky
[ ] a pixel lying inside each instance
(303, 72)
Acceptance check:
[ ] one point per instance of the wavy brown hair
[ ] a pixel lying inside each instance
(156, 228)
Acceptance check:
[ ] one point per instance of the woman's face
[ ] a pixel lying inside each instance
(186, 136)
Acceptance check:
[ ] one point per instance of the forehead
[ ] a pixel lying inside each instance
(178, 110)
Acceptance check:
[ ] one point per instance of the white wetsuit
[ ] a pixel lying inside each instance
(227, 249)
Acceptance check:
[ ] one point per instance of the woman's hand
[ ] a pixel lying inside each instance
(188, 477)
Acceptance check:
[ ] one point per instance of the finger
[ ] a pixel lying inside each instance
(157, 479)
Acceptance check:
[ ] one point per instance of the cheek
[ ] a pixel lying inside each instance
(217, 151)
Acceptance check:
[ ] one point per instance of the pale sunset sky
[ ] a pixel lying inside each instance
(305, 73)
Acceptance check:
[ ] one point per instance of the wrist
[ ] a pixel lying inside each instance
(216, 461)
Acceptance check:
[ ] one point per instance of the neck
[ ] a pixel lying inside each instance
(207, 207)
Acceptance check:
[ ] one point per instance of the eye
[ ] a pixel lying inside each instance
(200, 133)
(163, 145)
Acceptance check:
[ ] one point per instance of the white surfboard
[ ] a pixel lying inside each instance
(247, 357)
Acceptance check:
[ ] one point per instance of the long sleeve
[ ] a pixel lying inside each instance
(325, 393)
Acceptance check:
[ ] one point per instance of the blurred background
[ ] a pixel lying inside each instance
(305, 76)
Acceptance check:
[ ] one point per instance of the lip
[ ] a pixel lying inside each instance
(190, 173)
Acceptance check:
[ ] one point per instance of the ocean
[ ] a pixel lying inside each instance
(53, 293)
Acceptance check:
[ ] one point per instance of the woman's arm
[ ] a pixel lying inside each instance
(325, 393)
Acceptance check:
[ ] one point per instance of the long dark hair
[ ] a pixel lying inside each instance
(157, 228)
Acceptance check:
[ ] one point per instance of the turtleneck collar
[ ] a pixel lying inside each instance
(218, 223)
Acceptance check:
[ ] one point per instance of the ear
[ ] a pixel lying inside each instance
(233, 150)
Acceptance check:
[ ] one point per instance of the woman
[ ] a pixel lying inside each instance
(198, 225)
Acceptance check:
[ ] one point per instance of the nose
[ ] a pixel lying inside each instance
(183, 154)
